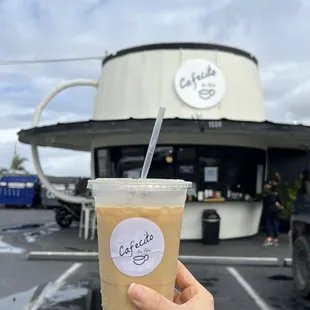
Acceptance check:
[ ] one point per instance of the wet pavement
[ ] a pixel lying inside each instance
(272, 289)
(47, 238)
(75, 286)
(16, 217)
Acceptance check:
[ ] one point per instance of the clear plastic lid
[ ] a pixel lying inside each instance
(140, 183)
(139, 192)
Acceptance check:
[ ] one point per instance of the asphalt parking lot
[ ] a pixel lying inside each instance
(260, 288)
(74, 285)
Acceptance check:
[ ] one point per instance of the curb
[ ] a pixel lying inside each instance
(231, 260)
(187, 259)
(63, 256)
(287, 262)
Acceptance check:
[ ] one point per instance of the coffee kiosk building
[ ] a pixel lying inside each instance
(214, 133)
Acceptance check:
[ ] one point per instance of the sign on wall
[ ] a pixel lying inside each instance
(211, 174)
(200, 83)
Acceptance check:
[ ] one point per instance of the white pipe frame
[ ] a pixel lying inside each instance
(34, 147)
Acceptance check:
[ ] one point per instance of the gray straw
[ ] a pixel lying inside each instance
(153, 142)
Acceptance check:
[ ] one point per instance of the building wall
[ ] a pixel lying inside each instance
(137, 84)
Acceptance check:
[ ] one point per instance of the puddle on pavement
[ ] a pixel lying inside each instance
(69, 297)
(209, 284)
(293, 303)
(31, 236)
(69, 294)
(21, 227)
(10, 249)
(18, 300)
(280, 277)
(53, 229)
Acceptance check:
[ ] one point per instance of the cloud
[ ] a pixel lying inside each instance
(34, 29)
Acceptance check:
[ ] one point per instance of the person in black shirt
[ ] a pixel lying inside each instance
(271, 208)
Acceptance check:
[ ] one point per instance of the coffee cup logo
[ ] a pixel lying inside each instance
(140, 259)
(136, 246)
(200, 84)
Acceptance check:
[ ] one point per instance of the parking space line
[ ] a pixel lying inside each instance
(48, 224)
(52, 288)
(248, 288)
(287, 262)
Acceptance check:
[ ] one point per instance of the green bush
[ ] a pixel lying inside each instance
(290, 192)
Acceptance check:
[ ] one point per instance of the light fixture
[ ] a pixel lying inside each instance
(169, 159)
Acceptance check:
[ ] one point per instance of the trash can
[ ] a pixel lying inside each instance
(210, 227)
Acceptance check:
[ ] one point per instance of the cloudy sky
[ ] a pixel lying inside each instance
(276, 31)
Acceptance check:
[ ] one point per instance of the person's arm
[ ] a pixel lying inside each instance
(267, 185)
(266, 190)
(279, 201)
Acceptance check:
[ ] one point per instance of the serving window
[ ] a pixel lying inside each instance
(216, 171)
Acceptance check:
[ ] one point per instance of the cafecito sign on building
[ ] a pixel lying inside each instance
(200, 84)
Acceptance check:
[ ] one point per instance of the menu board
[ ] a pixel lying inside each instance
(186, 169)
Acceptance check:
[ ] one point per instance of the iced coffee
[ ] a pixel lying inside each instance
(139, 223)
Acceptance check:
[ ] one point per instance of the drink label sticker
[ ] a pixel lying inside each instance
(137, 246)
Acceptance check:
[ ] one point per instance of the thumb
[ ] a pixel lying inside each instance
(145, 298)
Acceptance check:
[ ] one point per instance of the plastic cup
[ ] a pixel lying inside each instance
(138, 223)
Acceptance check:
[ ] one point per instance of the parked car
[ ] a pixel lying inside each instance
(300, 243)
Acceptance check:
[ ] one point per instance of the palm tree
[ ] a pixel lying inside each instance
(17, 163)
(3, 170)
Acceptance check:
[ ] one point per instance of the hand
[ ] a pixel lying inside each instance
(267, 186)
(279, 205)
(192, 296)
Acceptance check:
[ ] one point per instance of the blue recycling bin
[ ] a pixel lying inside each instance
(17, 190)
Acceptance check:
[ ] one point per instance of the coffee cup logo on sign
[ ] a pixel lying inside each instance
(200, 84)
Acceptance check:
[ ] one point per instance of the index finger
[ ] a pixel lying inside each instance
(184, 278)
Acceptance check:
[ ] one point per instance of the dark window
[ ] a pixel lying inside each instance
(216, 168)
(127, 162)
(129, 165)
(186, 153)
(103, 164)
(162, 166)
(224, 168)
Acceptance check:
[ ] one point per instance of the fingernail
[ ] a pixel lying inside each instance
(135, 292)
